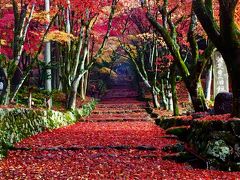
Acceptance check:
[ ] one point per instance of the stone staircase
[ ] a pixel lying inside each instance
(120, 104)
(121, 92)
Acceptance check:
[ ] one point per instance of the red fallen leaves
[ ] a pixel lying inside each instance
(58, 161)
(105, 163)
(221, 117)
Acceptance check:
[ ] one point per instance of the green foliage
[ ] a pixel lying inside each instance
(86, 109)
(17, 124)
(38, 97)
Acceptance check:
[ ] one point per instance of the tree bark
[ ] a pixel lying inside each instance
(163, 94)
(72, 96)
(208, 83)
(174, 91)
(197, 95)
(155, 98)
(234, 71)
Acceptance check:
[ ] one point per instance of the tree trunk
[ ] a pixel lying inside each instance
(47, 56)
(197, 95)
(155, 98)
(236, 93)
(208, 84)
(86, 83)
(174, 92)
(5, 97)
(232, 59)
(72, 96)
(82, 89)
(163, 95)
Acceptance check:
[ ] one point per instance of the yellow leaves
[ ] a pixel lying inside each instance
(40, 16)
(3, 42)
(105, 70)
(105, 57)
(93, 21)
(111, 46)
(150, 37)
(59, 36)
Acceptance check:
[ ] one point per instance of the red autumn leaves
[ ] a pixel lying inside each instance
(101, 150)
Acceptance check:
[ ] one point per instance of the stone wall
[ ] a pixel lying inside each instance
(218, 142)
(215, 141)
(17, 124)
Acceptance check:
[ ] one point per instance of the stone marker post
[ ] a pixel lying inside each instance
(220, 74)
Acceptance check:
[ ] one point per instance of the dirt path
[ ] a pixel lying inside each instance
(118, 141)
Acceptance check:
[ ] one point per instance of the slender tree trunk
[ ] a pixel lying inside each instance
(174, 92)
(86, 83)
(208, 84)
(47, 56)
(82, 89)
(72, 96)
(197, 95)
(5, 97)
(155, 98)
(163, 95)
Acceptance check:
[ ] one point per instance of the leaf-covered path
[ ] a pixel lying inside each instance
(118, 141)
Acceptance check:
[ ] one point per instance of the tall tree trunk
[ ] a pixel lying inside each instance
(72, 96)
(236, 93)
(197, 95)
(163, 94)
(82, 89)
(86, 83)
(174, 91)
(47, 56)
(232, 59)
(208, 83)
(155, 98)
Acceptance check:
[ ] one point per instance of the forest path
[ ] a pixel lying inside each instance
(118, 141)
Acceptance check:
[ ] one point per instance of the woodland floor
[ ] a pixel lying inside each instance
(118, 141)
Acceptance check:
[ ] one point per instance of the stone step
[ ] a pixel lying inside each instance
(120, 96)
(121, 93)
(110, 119)
(116, 111)
(125, 116)
(121, 101)
(125, 106)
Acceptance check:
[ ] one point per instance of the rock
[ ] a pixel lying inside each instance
(179, 157)
(197, 115)
(237, 153)
(218, 149)
(179, 147)
(168, 122)
(120, 147)
(226, 136)
(146, 148)
(235, 125)
(96, 147)
(180, 131)
(223, 103)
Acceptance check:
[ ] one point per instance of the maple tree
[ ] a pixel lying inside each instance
(177, 25)
(225, 35)
(22, 38)
(142, 46)
(77, 55)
